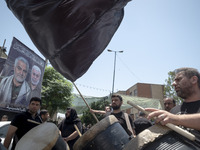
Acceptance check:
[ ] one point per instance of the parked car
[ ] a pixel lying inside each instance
(3, 130)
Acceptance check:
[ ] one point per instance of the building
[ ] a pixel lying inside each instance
(155, 91)
(148, 92)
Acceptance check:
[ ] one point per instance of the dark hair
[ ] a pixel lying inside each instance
(174, 102)
(115, 95)
(142, 114)
(37, 99)
(43, 112)
(189, 72)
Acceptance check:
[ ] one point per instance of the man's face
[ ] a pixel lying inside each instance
(35, 77)
(116, 103)
(183, 85)
(20, 71)
(34, 106)
(168, 103)
(45, 117)
(107, 109)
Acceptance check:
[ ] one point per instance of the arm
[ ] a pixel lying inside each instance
(186, 120)
(98, 111)
(11, 131)
(71, 136)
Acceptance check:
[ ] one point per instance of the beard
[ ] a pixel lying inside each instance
(116, 107)
(34, 82)
(185, 92)
(19, 78)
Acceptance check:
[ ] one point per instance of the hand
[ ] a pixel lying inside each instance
(66, 139)
(91, 110)
(161, 116)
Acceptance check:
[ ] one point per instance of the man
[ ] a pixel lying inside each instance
(35, 79)
(14, 90)
(141, 123)
(187, 86)
(169, 103)
(44, 115)
(21, 123)
(116, 105)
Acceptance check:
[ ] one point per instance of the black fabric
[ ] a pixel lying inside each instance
(23, 126)
(188, 108)
(70, 33)
(67, 127)
(121, 118)
(141, 124)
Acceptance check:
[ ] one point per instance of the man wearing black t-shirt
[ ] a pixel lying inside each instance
(187, 86)
(116, 105)
(20, 124)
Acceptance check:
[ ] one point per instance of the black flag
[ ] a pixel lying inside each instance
(70, 33)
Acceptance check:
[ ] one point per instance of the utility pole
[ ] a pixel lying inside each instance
(114, 67)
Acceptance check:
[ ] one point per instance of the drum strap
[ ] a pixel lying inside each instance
(128, 123)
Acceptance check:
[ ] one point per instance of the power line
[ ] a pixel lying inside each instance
(129, 69)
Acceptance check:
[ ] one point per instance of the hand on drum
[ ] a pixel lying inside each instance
(161, 116)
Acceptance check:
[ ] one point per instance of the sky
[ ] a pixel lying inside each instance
(156, 36)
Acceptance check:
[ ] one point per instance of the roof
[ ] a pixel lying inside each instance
(80, 105)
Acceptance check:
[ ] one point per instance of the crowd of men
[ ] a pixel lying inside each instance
(186, 84)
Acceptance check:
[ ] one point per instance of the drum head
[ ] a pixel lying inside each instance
(90, 134)
(41, 137)
(147, 136)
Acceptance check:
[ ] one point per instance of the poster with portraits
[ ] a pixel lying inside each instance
(21, 77)
(2, 62)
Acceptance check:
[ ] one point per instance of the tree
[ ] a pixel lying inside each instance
(87, 117)
(169, 90)
(56, 91)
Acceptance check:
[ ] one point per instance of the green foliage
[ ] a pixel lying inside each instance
(56, 91)
(169, 90)
(88, 118)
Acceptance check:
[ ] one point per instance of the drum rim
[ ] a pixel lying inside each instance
(52, 143)
(94, 131)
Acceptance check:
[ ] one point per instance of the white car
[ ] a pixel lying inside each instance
(4, 125)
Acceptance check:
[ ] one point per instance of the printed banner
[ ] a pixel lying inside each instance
(2, 62)
(21, 77)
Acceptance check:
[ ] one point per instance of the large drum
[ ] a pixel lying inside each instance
(107, 134)
(160, 137)
(42, 137)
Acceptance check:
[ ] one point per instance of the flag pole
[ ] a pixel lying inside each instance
(85, 102)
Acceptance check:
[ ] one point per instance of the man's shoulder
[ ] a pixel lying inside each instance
(6, 78)
(175, 109)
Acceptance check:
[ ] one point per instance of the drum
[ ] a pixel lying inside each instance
(42, 137)
(160, 138)
(107, 134)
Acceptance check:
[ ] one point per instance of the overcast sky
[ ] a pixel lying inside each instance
(157, 36)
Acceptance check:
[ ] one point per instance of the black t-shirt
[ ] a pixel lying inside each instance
(188, 108)
(141, 124)
(23, 126)
(120, 116)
